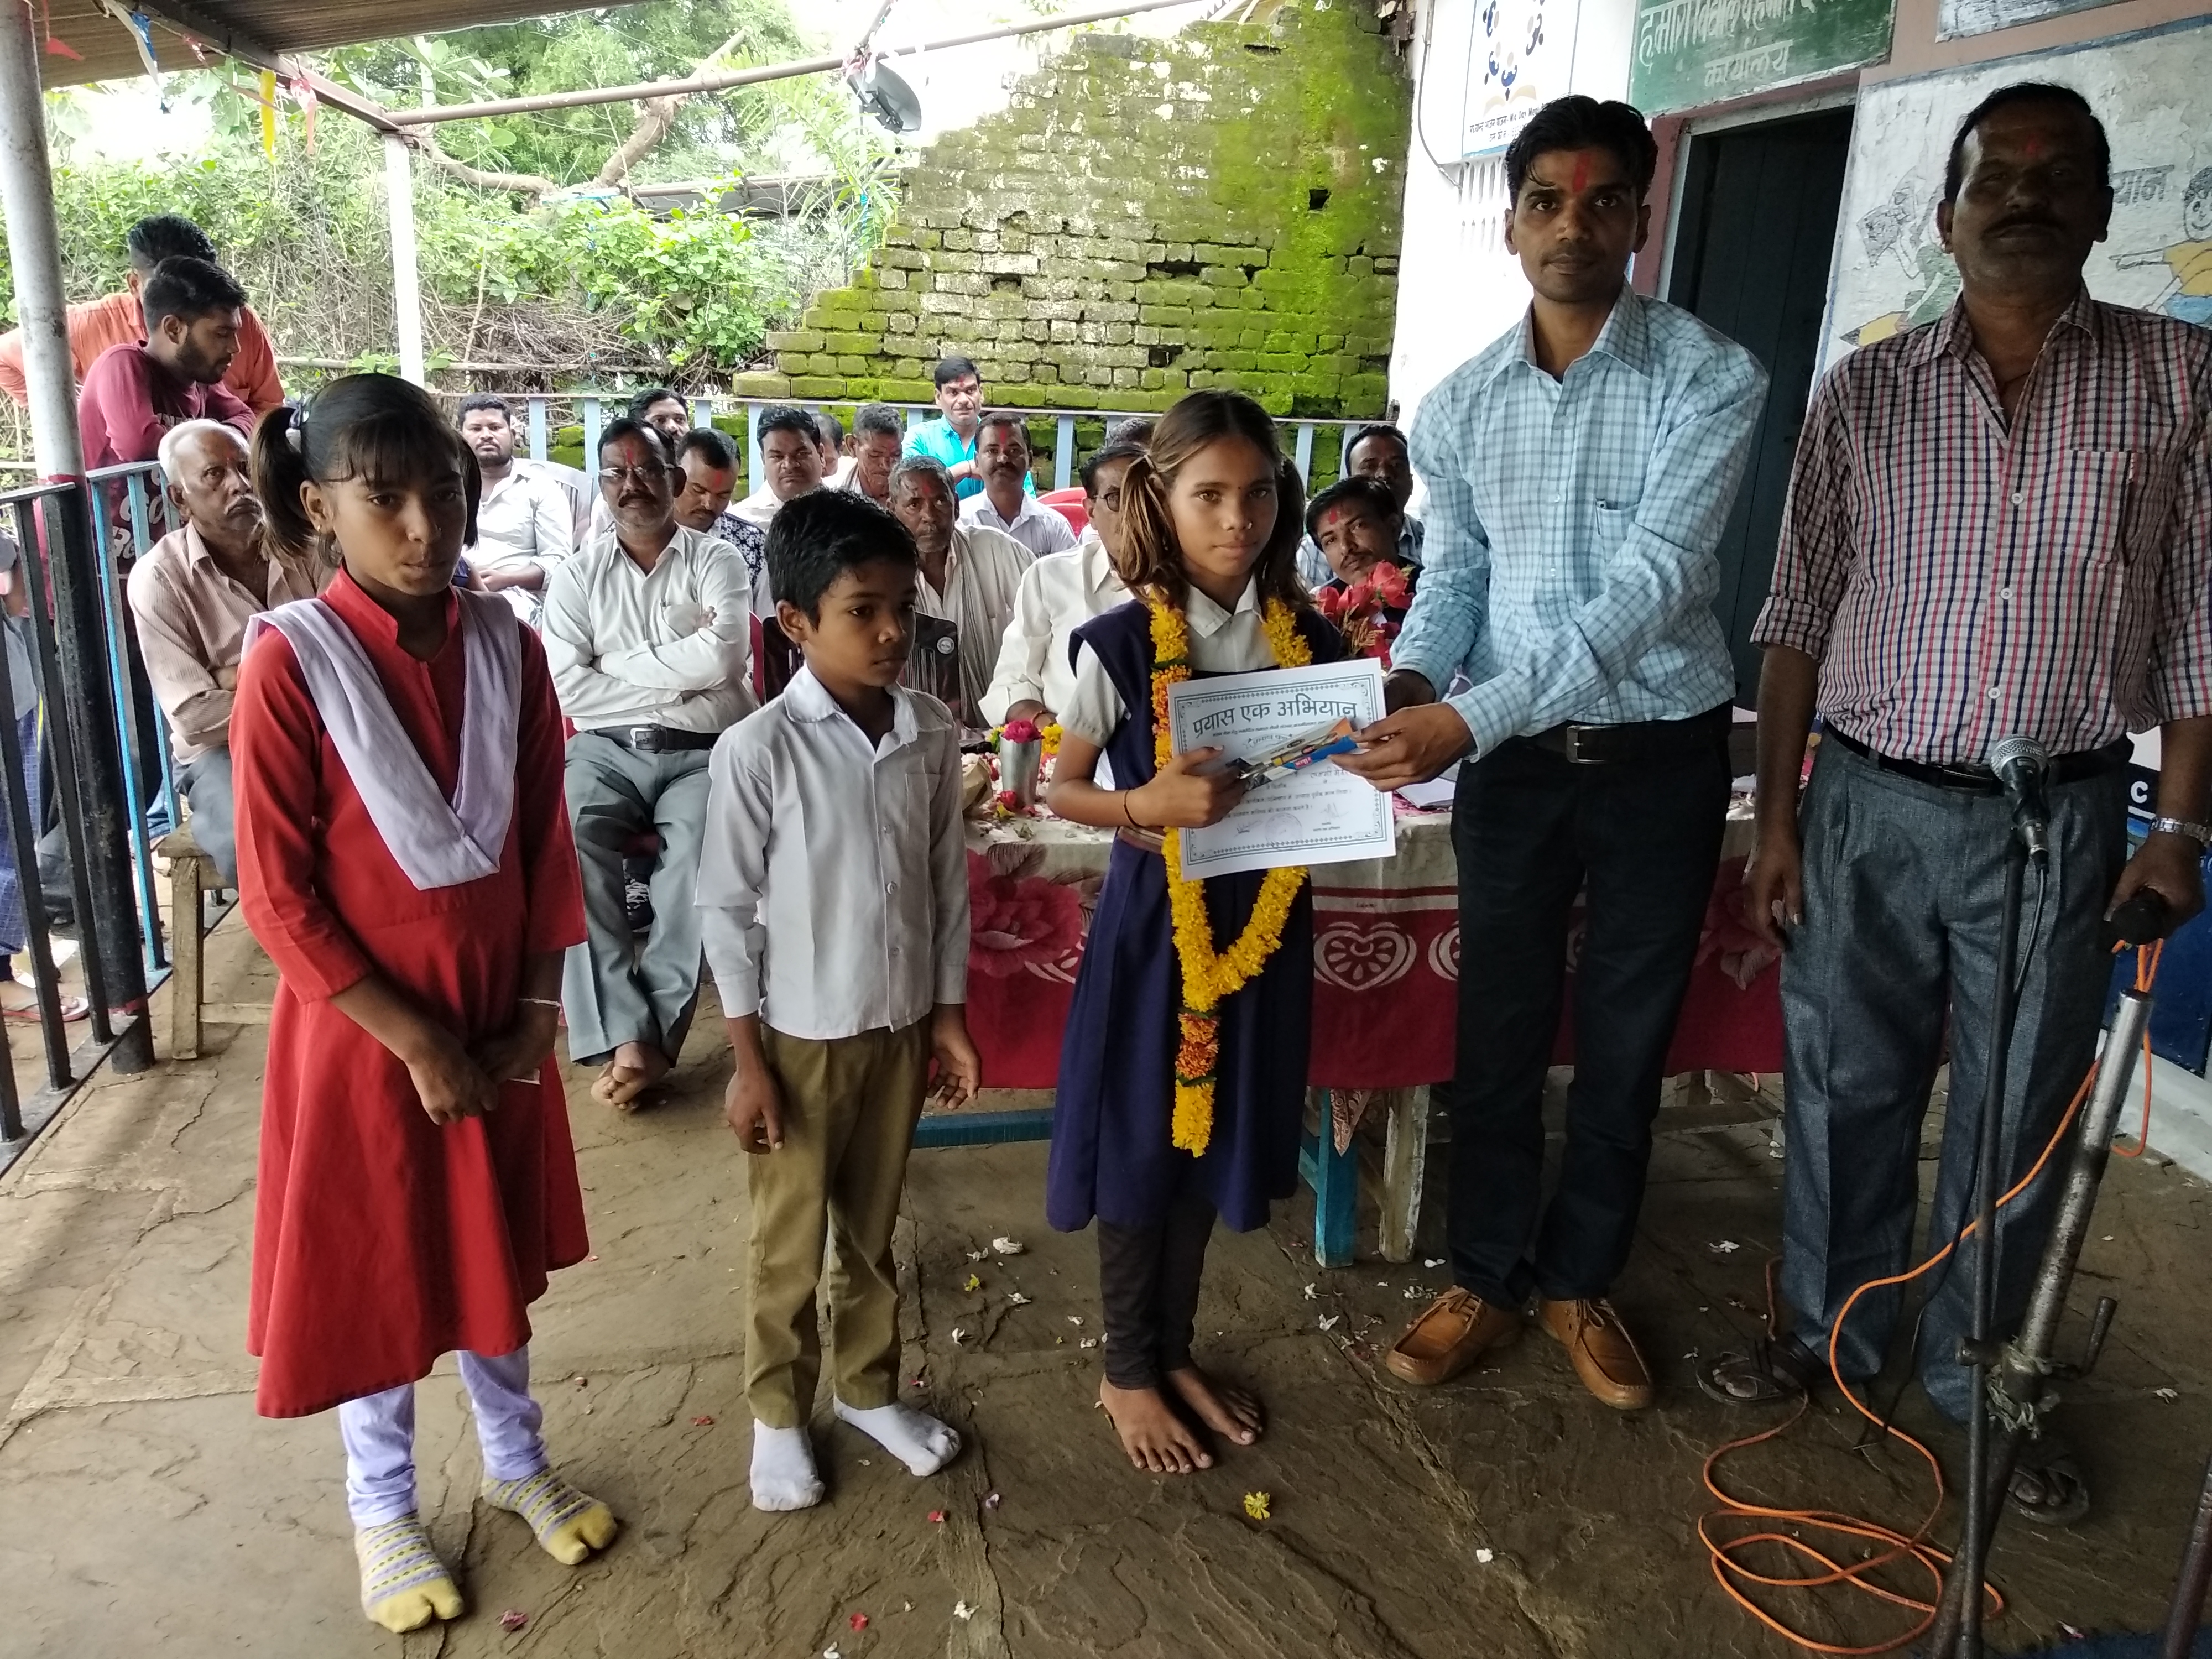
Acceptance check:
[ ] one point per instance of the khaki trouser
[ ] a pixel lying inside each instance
(850, 1106)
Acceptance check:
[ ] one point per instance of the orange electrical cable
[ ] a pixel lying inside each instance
(1729, 1572)
(2157, 949)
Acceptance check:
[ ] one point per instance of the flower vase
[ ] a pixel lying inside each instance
(1019, 763)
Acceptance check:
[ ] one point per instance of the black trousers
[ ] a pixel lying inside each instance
(1148, 1280)
(1642, 839)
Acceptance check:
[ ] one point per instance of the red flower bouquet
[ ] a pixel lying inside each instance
(1015, 921)
(1358, 610)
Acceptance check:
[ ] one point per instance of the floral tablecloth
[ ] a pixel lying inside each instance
(1386, 959)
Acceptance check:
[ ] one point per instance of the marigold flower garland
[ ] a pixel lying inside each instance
(1209, 977)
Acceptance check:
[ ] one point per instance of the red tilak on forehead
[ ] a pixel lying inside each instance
(1581, 173)
(2034, 145)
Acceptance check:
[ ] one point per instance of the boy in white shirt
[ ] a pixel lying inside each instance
(833, 888)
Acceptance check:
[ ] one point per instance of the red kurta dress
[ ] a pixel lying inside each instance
(381, 1239)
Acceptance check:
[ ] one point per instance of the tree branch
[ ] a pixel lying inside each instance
(654, 121)
(529, 184)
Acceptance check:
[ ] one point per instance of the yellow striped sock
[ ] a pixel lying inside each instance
(404, 1585)
(570, 1524)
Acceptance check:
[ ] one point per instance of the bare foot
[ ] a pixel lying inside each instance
(1157, 1441)
(624, 1078)
(1222, 1406)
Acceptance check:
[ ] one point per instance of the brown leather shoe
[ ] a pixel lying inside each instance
(1451, 1333)
(1603, 1353)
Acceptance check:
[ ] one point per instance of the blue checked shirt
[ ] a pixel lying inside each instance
(1568, 563)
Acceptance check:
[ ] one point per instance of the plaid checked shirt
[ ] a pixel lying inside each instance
(1568, 563)
(1958, 582)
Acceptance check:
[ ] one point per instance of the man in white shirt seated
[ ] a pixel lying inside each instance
(970, 571)
(879, 437)
(1002, 457)
(836, 460)
(791, 465)
(525, 521)
(1376, 449)
(646, 633)
(1059, 594)
(191, 596)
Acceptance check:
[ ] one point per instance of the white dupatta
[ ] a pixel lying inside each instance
(435, 841)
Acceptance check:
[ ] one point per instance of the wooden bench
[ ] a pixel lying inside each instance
(191, 874)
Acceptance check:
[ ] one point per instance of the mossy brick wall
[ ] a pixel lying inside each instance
(1145, 218)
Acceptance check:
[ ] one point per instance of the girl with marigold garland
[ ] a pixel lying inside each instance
(1182, 1073)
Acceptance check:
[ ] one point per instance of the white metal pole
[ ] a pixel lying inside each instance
(406, 278)
(27, 188)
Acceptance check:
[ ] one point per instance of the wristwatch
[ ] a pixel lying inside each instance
(2199, 833)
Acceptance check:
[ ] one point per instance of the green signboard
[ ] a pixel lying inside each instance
(1690, 53)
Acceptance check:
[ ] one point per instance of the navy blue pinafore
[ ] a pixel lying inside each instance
(1111, 1153)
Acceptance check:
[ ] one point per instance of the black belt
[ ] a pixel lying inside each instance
(1979, 780)
(1634, 740)
(655, 739)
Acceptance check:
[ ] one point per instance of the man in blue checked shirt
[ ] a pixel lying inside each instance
(1580, 471)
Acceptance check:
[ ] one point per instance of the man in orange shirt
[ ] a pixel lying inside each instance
(118, 320)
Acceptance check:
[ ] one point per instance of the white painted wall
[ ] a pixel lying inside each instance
(1458, 288)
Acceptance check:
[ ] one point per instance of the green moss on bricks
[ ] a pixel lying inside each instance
(1091, 249)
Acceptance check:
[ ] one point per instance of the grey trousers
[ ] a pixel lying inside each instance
(205, 785)
(611, 992)
(1903, 886)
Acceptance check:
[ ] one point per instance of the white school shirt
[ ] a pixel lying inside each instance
(1221, 642)
(526, 521)
(1059, 594)
(833, 877)
(983, 572)
(628, 648)
(1036, 526)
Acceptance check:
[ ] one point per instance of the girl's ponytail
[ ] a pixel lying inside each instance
(280, 467)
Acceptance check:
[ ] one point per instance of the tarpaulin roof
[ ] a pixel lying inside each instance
(84, 40)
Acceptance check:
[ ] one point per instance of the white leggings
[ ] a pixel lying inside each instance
(379, 1432)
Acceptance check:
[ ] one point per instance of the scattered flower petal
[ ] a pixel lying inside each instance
(1255, 1504)
(1723, 1246)
(908, 1608)
(990, 1500)
(959, 1333)
(1329, 1320)
(1312, 1292)
(859, 1621)
(1075, 1319)
(1432, 1261)
(974, 1283)
(2108, 1239)
(915, 1382)
(513, 1619)
(1006, 1246)
(962, 1610)
(590, 1258)
(1088, 1342)
(583, 1381)
(1486, 1556)
(977, 1255)
(937, 1517)
(831, 1653)
(702, 1422)
(2167, 1394)
(1016, 1299)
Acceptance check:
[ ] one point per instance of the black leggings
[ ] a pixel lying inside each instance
(1148, 1282)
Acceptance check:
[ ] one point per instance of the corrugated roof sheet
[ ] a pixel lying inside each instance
(106, 49)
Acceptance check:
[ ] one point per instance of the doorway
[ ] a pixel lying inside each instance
(1752, 247)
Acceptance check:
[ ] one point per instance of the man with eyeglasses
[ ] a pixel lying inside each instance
(648, 633)
(1059, 594)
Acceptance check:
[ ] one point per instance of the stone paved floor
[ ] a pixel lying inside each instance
(143, 1507)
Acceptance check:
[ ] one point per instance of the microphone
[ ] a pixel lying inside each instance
(2020, 763)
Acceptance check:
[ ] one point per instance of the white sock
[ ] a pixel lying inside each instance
(783, 1475)
(922, 1443)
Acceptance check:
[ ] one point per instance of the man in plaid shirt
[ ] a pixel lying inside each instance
(2000, 524)
(1580, 471)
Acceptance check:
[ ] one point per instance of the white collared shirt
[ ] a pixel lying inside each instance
(1059, 594)
(833, 879)
(983, 572)
(526, 520)
(1036, 526)
(668, 649)
(1221, 642)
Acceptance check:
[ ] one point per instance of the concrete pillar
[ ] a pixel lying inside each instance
(406, 279)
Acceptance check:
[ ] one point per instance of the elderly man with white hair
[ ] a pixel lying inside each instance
(193, 595)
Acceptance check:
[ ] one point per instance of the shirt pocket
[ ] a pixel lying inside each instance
(2111, 506)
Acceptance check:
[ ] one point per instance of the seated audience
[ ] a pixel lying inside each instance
(135, 392)
(647, 632)
(526, 524)
(1374, 451)
(115, 320)
(878, 439)
(667, 413)
(1059, 594)
(1357, 524)
(837, 464)
(1002, 457)
(791, 465)
(191, 596)
(970, 571)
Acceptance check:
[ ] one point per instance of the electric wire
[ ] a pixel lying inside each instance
(1739, 1580)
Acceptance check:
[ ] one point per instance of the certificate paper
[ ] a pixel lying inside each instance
(1323, 815)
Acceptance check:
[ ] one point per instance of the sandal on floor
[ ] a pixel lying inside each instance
(1771, 1374)
(2048, 1487)
(73, 1010)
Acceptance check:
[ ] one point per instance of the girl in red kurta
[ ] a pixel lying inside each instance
(404, 857)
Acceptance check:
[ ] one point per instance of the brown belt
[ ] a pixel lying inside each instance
(1636, 740)
(1145, 841)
